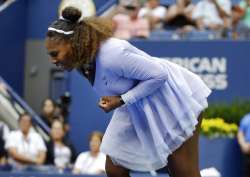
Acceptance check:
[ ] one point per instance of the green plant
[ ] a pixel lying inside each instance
(230, 112)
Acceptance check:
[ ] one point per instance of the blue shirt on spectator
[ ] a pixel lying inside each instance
(245, 127)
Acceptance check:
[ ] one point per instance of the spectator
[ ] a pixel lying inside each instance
(24, 146)
(62, 110)
(245, 5)
(213, 14)
(93, 161)
(244, 142)
(154, 13)
(243, 14)
(237, 14)
(48, 111)
(60, 153)
(128, 24)
(179, 15)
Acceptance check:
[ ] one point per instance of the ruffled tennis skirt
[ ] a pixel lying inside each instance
(141, 136)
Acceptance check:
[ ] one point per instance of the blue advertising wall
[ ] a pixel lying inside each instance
(40, 13)
(12, 44)
(223, 154)
(66, 175)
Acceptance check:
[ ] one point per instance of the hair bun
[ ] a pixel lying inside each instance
(72, 14)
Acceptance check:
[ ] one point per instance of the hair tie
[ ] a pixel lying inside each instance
(60, 31)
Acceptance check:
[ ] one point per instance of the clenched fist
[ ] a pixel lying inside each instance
(109, 103)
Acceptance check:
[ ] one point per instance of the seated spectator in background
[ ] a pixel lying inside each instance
(24, 146)
(212, 14)
(245, 5)
(93, 161)
(179, 15)
(242, 19)
(237, 14)
(244, 142)
(128, 25)
(48, 111)
(60, 153)
(52, 110)
(154, 12)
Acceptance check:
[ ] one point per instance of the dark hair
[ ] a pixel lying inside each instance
(24, 115)
(96, 133)
(86, 37)
(49, 99)
(67, 22)
(56, 119)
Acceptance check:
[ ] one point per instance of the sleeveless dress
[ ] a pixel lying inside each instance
(162, 103)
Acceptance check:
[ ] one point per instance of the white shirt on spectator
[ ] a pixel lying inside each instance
(30, 146)
(62, 156)
(88, 164)
(127, 28)
(207, 10)
(159, 12)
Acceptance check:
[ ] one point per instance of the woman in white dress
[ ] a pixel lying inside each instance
(157, 104)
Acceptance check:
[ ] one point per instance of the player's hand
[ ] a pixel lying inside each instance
(109, 103)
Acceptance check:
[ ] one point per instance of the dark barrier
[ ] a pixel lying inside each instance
(64, 175)
(223, 154)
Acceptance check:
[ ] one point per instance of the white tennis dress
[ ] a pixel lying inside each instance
(162, 103)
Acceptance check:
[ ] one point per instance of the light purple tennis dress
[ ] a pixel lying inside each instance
(162, 103)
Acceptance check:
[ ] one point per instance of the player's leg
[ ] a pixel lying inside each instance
(115, 170)
(184, 162)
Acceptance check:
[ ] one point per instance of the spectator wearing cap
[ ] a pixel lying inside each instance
(154, 12)
(128, 24)
(25, 146)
